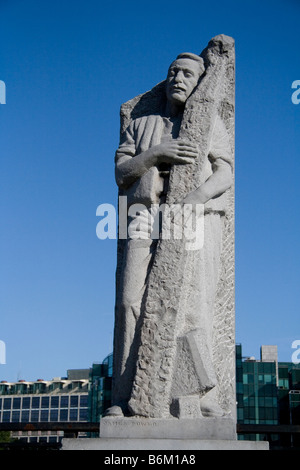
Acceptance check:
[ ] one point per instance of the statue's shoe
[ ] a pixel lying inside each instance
(210, 408)
(113, 412)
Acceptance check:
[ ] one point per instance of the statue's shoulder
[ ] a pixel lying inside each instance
(147, 117)
(143, 121)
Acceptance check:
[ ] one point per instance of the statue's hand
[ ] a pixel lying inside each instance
(194, 198)
(176, 151)
(191, 205)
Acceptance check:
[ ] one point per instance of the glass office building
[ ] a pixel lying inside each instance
(82, 396)
(57, 400)
(268, 392)
(100, 389)
(256, 392)
(289, 399)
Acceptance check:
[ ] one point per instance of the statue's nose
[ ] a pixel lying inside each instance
(179, 76)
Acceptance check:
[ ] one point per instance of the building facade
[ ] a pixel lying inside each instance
(268, 392)
(256, 390)
(57, 400)
(100, 389)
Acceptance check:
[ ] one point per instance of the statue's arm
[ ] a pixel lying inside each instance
(129, 169)
(215, 185)
(220, 157)
(130, 166)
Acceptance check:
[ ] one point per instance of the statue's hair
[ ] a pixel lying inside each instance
(190, 55)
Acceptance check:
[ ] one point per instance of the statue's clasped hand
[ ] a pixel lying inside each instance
(177, 151)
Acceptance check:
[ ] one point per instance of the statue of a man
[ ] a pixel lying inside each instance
(148, 149)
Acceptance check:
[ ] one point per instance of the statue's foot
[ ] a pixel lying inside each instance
(113, 412)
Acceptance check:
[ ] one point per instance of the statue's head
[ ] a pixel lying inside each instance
(183, 76)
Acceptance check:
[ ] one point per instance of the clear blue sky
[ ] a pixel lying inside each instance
(68, 66)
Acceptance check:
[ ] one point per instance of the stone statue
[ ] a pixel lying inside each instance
(174, 344)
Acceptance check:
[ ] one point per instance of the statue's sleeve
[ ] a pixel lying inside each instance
(220, 147)
(127, 147)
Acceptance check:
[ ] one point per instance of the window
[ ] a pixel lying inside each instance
(269, 402)
(74, 401)
(270, 413)
(7, 404)
(251, 412)
(270, 390)
(250, 378)
(251, 401)
(83, 414)
(25, 417)
(246, 401)
(35, 402)
(15, 416)
(45, 402)
(6, 417)
(261, 401)
(34, 415)
(16, 403)
(83, 401)
(73, 414)
(54, 415)
(283, 383)
(44, 415)
(63, 415)
(269, 367)
(26, 402)
(268, 378)
(54, 402)
(64, 401)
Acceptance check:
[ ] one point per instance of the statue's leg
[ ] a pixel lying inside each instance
(137, 262)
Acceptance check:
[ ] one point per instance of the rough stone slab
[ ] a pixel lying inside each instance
(172, 428)
(161, 444)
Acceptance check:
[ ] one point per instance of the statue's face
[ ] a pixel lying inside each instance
(183, 76)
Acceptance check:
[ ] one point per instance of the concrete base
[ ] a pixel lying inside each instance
(165, 434)
(161, 444)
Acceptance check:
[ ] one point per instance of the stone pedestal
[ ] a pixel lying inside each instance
(108, 444)
(122, 434)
